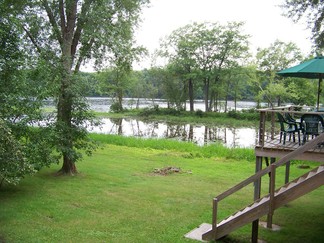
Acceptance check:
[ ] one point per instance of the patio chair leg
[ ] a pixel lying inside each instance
(298, 138)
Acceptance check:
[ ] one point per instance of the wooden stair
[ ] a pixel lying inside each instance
(297, 188)
(267, 204)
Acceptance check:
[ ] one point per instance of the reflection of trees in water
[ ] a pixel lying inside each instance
(176, 131)
(117, 126)
(144, 129)
(152, 129)
(222, 134)
(191, 133)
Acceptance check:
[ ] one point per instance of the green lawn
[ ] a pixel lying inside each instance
(116, 197)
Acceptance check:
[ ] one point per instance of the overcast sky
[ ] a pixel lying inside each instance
(263, 21)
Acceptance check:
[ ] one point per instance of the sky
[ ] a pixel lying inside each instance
(263, 22)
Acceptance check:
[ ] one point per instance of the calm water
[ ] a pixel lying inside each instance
(103, 104)
(199, 134)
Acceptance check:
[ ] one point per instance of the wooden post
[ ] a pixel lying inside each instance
(287, 172)
(257, 184)
(272, 191)
(272, 125)
(257, 193)
(262, 128)
(214, 224)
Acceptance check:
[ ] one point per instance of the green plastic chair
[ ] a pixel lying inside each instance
(288, 127)
(313, 125)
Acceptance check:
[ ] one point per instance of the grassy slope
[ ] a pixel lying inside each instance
(117, 198)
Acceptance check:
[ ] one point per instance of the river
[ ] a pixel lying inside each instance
(200, 134)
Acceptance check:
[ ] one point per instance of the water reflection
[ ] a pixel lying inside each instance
(199, 134)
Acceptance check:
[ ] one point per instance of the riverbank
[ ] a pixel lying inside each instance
(247, 118)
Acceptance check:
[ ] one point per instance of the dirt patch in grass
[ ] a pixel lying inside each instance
(303, 166)
(169, 170)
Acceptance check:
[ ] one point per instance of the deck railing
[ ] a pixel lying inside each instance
(268, 115)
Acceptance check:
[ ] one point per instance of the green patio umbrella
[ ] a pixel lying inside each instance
(312, 69)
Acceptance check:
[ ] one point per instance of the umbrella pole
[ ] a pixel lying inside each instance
(319, 91)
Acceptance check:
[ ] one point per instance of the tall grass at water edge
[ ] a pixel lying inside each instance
(191, 149)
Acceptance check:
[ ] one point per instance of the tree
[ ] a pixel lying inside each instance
(65, 34)
(278, 56)
(203, 50)
(219, 47)
(179, 49)
(174, 86)
(312, 12)
(236, 81)
(120, 75)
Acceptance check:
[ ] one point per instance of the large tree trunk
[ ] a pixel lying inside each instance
(64, 119)
(64, 109)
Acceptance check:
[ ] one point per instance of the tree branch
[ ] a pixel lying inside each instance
(86, 49)
(62, 16)
(53, 22)
(71, 12)
(33, 40)
(80, 24)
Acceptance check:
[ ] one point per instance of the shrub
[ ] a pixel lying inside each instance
(13, 164)
(199, 113)
(116, 107)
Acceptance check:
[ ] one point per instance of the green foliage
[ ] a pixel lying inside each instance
(251, 114)
(199, 113)
(270, 60)
(24, 149)
(302, 91)
(156, 110)
(13, 163)
(312, 13)
(116, 107)
(198, 53)
(58, 37)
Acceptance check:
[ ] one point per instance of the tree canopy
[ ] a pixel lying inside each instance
(60, 36)
(201, 51)
(310, 11)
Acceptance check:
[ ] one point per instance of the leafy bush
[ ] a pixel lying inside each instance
(199, 113)
(116, 107)
(250, 114)
(13, 164)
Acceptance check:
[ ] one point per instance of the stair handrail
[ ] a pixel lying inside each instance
(309, 145)
(265, 171)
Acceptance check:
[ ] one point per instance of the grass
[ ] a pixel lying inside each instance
(190, 150)
(116, 197)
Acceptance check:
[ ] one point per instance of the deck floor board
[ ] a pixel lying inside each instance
(276, 149)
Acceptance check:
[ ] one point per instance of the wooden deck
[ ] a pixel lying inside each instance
(269, 144)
